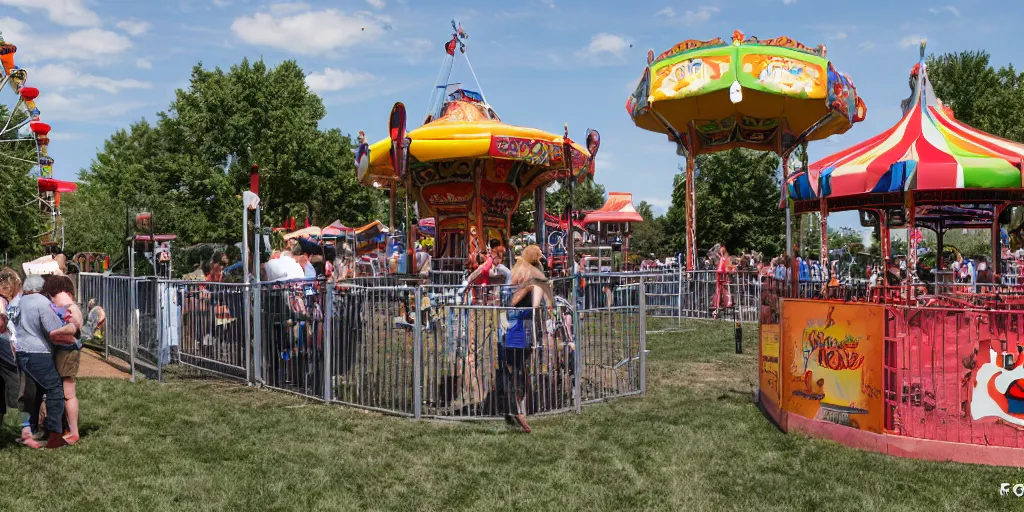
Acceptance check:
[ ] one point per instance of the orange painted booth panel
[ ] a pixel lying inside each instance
(832, 362)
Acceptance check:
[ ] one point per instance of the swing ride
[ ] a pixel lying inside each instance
(464, 167)
(767, 95)
(24, 142)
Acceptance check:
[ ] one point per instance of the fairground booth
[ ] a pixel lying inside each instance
(613, 222)
(903, 364)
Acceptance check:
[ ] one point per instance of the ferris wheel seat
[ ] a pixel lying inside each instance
(29, 93)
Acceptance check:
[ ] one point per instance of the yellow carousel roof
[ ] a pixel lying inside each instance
(471, 130)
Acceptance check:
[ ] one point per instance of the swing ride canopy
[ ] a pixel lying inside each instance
(618, 208)
(465, 167)
(759, 94)
(928, 151)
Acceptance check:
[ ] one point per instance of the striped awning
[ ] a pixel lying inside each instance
(928, 149)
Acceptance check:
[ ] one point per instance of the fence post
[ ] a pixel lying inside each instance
(107, 306)
(577, 310)
(133, 337)
(161, 334)
(247, 328)
(643, 337)
(328, 340)
(679, 304)
(256, 291)
(417, 356)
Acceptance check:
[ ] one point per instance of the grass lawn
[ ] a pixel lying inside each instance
(696, 442)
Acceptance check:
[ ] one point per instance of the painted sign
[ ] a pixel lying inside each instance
(498, 199)
(778, 74)
(770, 386)
(832, 355)
(998, 378)
(452, 198)
(691, 77)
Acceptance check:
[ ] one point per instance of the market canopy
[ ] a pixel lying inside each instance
(760, 94)
(927, 150)
(618, 208)
(53, 185)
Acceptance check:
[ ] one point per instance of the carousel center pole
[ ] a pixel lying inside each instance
(539, 207)
(824, 236)
(391, 211)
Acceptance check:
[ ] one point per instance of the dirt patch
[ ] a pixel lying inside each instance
(93, 365)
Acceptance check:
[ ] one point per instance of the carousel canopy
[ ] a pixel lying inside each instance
(759, 94)
(468, 131)
(927, 150)
(618, 208)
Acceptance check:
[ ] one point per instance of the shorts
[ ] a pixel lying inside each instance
(10, 380)
(67, 362)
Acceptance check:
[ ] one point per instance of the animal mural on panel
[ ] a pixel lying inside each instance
(997, 378)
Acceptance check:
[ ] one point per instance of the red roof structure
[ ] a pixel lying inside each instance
(618, 208)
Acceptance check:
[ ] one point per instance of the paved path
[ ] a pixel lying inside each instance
(93, 365)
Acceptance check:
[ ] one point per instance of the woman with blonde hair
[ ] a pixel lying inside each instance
(531, 288)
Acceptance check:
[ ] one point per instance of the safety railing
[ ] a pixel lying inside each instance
(390, 344)
(703, 294)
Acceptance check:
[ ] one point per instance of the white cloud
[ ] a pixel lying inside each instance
(604, 43)
(839, 36)
(142, 63)
(335, 79)
(789, 2)
(948, 8)
(221, 3)
(84, 107)
(89, 44)
(62, 77)
(60, 136)
(70, 13)
(866, 45)
(134, 27)
(701, 15)
(283, 9)
(376, 4)
(658, 205)
(310, 32)
(689, 17)
(911, 40)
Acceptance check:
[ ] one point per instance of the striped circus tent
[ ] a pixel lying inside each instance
(927, 150)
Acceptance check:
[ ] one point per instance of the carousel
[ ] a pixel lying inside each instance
(909, 367)
(762, 94)
(466, 169)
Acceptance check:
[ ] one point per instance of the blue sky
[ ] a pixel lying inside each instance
(541, 63)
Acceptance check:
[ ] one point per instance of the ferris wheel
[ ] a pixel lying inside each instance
(24, 144)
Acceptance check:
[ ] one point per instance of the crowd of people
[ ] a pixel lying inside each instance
(42, 329)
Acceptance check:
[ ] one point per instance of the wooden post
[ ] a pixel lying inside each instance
(824, 234)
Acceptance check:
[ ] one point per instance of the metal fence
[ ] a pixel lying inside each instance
(389, 344)
(703, 294)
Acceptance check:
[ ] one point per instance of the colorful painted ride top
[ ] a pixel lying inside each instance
(928, 149)
(760, 94)
(468, 164)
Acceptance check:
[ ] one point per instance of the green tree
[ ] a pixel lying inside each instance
(648, 236)
(178, 168)
(586, 196)
(981, 96)
(737, 204)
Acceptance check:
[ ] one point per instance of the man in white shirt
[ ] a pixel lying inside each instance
(284, 268)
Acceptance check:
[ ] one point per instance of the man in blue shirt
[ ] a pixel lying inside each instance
(36, 326)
